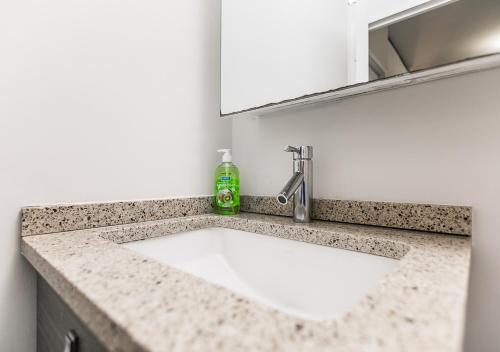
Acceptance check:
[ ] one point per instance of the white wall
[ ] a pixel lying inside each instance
(100, 100)
(432, 143)
(281, 49)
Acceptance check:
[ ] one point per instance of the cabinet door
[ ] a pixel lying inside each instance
(57, 325)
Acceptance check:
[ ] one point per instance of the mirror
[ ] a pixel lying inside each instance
(281, 53)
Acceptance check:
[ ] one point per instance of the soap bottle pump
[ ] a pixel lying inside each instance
(227, 186)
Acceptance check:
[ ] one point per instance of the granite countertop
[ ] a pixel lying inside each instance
(132, 303)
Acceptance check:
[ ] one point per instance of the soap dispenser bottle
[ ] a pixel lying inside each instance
(227, 186)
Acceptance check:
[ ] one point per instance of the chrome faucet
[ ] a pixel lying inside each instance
(300, 184)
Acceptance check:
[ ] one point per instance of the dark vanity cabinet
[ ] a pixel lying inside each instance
(58, 328)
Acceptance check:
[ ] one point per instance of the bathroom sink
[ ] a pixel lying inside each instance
(302, 279)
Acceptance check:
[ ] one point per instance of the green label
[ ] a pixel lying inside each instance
(227, 193)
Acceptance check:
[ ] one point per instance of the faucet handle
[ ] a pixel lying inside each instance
(304, 152)
(289, 148)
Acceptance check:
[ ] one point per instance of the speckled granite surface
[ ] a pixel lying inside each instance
(68, 217)
(434, 218)
(449, 219)
(136, 304)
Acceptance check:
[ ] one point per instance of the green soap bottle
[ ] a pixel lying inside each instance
(227, 186)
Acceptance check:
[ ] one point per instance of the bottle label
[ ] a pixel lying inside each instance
(227, 192)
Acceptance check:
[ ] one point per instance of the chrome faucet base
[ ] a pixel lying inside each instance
(300, 184)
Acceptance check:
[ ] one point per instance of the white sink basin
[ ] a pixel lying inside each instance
(302, 279)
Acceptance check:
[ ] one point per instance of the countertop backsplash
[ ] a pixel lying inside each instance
(448, 219)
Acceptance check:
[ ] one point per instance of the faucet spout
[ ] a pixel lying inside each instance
(290, 188)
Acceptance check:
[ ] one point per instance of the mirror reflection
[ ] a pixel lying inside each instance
(461, 30)
(288, 52)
